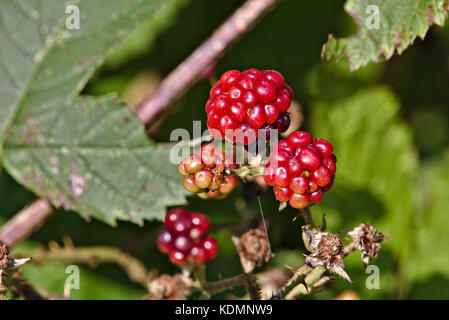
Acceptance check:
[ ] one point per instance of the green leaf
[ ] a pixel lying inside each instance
(82, 153)
(400, 22)
(428, 266)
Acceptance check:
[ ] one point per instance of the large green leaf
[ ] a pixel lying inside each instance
(400, 22)
(86, 154)
(428, 265)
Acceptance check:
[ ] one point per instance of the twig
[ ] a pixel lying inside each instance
(135, 270)
(25, 222)
(205, 55)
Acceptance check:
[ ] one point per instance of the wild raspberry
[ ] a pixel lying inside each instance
(184, 238)
(243, 102)
(204, 173)
(301, 169)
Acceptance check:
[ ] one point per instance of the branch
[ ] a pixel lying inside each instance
(203, 57)
(25, 222)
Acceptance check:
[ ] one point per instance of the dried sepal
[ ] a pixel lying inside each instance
(167, 287)
(368, 239)
(327, 251)
(253, 248)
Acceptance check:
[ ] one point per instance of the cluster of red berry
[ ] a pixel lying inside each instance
(204, 172)
(185, 239)
(301, 169)
(242, 103)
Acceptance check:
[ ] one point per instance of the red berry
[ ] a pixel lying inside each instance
(316, 196)
(252, 99)
(256, 116)
(294, 168)
(229, 184)
(281, 177)
(203, 178)
(283, 101)
(174, 215)
(253, 74)
(237, 111)
(249, 98)
(299, 201)
(165, 241)
(183, 244)
(324, 146)
(299, 184)
(187, 240)
(177, 257)
(271, 113)
(268, 175)
(230, 78)
(200, 221)
(301, 169)
(321, 176)
(275, 77)
(220, 105)
(313, 186)
(189, 184)
(299, 139)
(282, 194)
(235, 93)
(210, 246)
(330, 164)
(216, 91)
(309, 158)
(198, 255)
(192, 164)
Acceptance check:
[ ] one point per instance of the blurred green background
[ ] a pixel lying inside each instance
(388, 122)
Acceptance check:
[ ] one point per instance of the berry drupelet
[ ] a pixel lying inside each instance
(240, 103)
(301, 169)
(184, 238)
(204, 172)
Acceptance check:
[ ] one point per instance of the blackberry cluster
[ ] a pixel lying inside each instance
(301, 169)
(185, 239)
(204, 172)
(242, 103)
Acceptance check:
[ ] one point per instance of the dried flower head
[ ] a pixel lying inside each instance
(166, 287)
(4, 255)
(253, 248)
(368, 239)
(327, 251)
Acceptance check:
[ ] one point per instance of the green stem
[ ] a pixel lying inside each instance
(307, 213)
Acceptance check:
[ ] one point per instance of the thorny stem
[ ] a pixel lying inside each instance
(202, 58)
(240, 280)
(21, 226)
(305, 281)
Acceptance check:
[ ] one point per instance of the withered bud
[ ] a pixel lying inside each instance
(253, 248)
(327, 251)
(368, 239)
(4, 255)
(166, 287)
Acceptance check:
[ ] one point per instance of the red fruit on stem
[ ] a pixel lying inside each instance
(210, 246)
